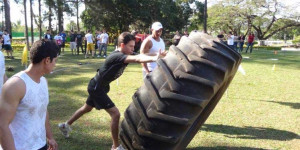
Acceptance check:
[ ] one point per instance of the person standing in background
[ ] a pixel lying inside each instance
(7, 44)
(90, 46)
(72, 42)
(64, 36)
(241, 41)
(250, 42)
(152, 45)
(104, 42)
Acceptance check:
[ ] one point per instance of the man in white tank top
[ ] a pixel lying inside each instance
(3, 76)
(24, 119)
(152, 45)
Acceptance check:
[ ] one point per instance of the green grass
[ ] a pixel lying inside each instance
(258, 111)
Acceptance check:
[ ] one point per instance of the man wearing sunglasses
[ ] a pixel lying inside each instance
(151, 45)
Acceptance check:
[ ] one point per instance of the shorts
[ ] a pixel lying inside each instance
(98, 98)
(7, 47)
(90, 46)
(72, 45)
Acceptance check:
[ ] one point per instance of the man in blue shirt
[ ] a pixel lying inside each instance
(63, 35)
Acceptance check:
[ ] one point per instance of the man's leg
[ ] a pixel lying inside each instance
(105, 49)
(114, 126)
(247, 47)
(251, 46)
(81, 111)
(100, 50)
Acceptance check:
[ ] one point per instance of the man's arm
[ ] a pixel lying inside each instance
(52, 143)
(145, 48)
(144, 58)
(12, 92)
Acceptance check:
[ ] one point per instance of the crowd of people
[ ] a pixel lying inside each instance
(24, 118)
(237, 42)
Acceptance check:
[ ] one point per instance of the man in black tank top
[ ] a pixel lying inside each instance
(98, 86)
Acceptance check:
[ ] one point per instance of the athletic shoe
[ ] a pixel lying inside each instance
(98, 56)
(65, 129)
(120, 147)
(104, 56)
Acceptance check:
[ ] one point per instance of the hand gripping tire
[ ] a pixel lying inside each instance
(179, 95)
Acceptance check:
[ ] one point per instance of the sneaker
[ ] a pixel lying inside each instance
(98, 56)
(65, 129)
(104, 56)
(120, 147)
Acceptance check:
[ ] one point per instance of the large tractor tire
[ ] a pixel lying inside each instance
(179, 95)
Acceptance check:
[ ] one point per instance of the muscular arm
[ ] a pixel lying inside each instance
(145, 48)
(9, 101)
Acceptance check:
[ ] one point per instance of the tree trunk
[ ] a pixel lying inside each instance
(7, 16)
(205, 17)
(31, 22)
(50, 19)
(60, 15)
(77, 13)
(26, 27)
(40, 20)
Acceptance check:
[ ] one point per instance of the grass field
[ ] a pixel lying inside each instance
(260, 110)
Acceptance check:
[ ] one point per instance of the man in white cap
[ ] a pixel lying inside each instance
(151, 45)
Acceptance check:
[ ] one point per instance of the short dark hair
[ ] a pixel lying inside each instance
(42, 49)
(125, 37)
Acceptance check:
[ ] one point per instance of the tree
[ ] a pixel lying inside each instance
(31, 21)
(7, 16)
(265, 17)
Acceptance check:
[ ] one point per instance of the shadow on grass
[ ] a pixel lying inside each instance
(292, 105)
(225, 148)
(249, 132)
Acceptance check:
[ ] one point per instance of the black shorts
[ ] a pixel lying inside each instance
(44, 147)
(98, 98)
(7, 47)
(63, 44)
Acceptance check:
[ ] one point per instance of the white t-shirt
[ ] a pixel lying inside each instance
(89, 38)
(58, 37)
(98, 37)
(2, 70)
(28, 126)
(230, 40)
(155, 50)
(6, 39)
(104, 37)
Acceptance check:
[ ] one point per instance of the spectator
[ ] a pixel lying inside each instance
(221, 36)
(90, 47)
(59, 42)
(79, 42)
(72, 41)
(185, 33)
(241, 40)
(250, 42)
(64, 36)
(230, 40)
(152, 45)
(48, 35)
(176, 38)
(24, 118)
(104, 42)
(235, 43)
(7, 44)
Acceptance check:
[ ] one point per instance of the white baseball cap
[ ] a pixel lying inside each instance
(156, 26)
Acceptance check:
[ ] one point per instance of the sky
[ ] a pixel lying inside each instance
(16, 10)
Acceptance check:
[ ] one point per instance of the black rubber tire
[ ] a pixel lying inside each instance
(178, 96)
